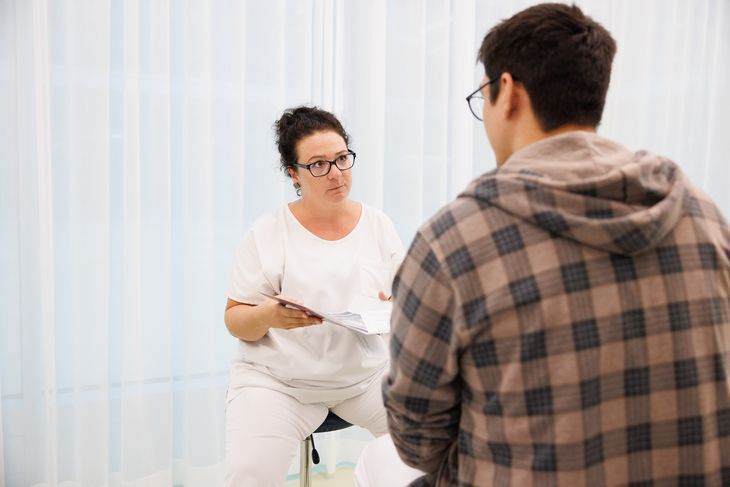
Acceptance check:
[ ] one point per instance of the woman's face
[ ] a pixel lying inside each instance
(335, 186)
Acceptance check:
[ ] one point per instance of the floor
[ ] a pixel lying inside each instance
(341, 478)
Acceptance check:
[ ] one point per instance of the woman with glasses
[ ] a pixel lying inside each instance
(333, 254)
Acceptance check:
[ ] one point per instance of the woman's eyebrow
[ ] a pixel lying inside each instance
(319, 157)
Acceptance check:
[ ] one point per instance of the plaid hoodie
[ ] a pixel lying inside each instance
(566, 321)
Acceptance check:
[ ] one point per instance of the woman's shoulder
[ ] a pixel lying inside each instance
(270, 222)
(271, 219)
(378, 221)
(376, 215)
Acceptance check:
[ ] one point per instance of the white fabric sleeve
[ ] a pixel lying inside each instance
(248, 276)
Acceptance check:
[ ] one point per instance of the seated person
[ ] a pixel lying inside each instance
(333, 254)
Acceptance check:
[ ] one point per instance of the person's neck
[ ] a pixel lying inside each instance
(317, 211)
(329, 222)
(534, 133)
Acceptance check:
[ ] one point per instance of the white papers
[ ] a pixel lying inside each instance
(365, 322)
(370, 322)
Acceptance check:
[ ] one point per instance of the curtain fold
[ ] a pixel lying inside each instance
(138, 148)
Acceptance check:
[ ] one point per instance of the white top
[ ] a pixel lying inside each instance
(318, 363)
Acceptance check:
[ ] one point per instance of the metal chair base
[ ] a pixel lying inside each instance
(307, 453)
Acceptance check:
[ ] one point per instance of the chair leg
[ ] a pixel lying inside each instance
(305, 463)
(332, 449)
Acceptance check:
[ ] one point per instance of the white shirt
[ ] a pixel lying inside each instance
(324, 362)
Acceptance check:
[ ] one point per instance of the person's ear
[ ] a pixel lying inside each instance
(293, 175)
(510, 96)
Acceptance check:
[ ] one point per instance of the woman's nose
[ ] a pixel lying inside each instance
(335, 172)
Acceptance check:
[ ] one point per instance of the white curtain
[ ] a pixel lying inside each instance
(137, 148)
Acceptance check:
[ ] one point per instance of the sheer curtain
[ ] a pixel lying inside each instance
(137, 149)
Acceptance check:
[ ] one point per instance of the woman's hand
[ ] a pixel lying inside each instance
(384, 297)
(251, 322)
(281, 316)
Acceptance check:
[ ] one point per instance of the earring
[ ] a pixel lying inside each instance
(298, 189)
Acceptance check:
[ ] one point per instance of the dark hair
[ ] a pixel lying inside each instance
(563, 58)
(297, 123)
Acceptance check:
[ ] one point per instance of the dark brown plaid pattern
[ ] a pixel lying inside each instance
(566, 321)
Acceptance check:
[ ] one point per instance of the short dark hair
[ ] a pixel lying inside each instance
(562, 57)
(297, 123)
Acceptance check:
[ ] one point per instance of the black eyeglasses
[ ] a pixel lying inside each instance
(476, 100)
(322, 168)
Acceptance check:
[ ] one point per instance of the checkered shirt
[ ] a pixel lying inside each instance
(566, 322)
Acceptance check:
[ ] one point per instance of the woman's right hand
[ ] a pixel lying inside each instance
(251, 322)
(281, 316)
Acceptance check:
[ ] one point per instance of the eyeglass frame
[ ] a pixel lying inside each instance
(331, 163)
(474, 93)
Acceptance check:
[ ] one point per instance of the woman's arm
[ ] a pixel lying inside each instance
(251, 323)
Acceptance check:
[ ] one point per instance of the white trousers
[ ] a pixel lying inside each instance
(380, 466)
(264, 429)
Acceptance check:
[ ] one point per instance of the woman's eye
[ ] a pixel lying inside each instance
(318, 164)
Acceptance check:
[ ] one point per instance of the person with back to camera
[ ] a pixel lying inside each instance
(332, 254)
(566, 320)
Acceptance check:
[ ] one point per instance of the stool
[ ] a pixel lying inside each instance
(331, 423)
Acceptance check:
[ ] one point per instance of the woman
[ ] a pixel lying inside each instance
(332, 254)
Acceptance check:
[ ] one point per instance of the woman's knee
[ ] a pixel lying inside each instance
(380, 426)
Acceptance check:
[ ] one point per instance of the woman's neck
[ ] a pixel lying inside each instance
(330, 222)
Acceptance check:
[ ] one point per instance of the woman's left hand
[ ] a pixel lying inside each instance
(384, 297)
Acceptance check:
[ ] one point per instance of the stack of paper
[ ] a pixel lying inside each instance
(366, 322)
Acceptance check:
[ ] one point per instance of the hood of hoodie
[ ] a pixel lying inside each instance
(586, 188)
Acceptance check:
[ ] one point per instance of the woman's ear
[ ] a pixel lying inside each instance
(293, 175)
(295, 180)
